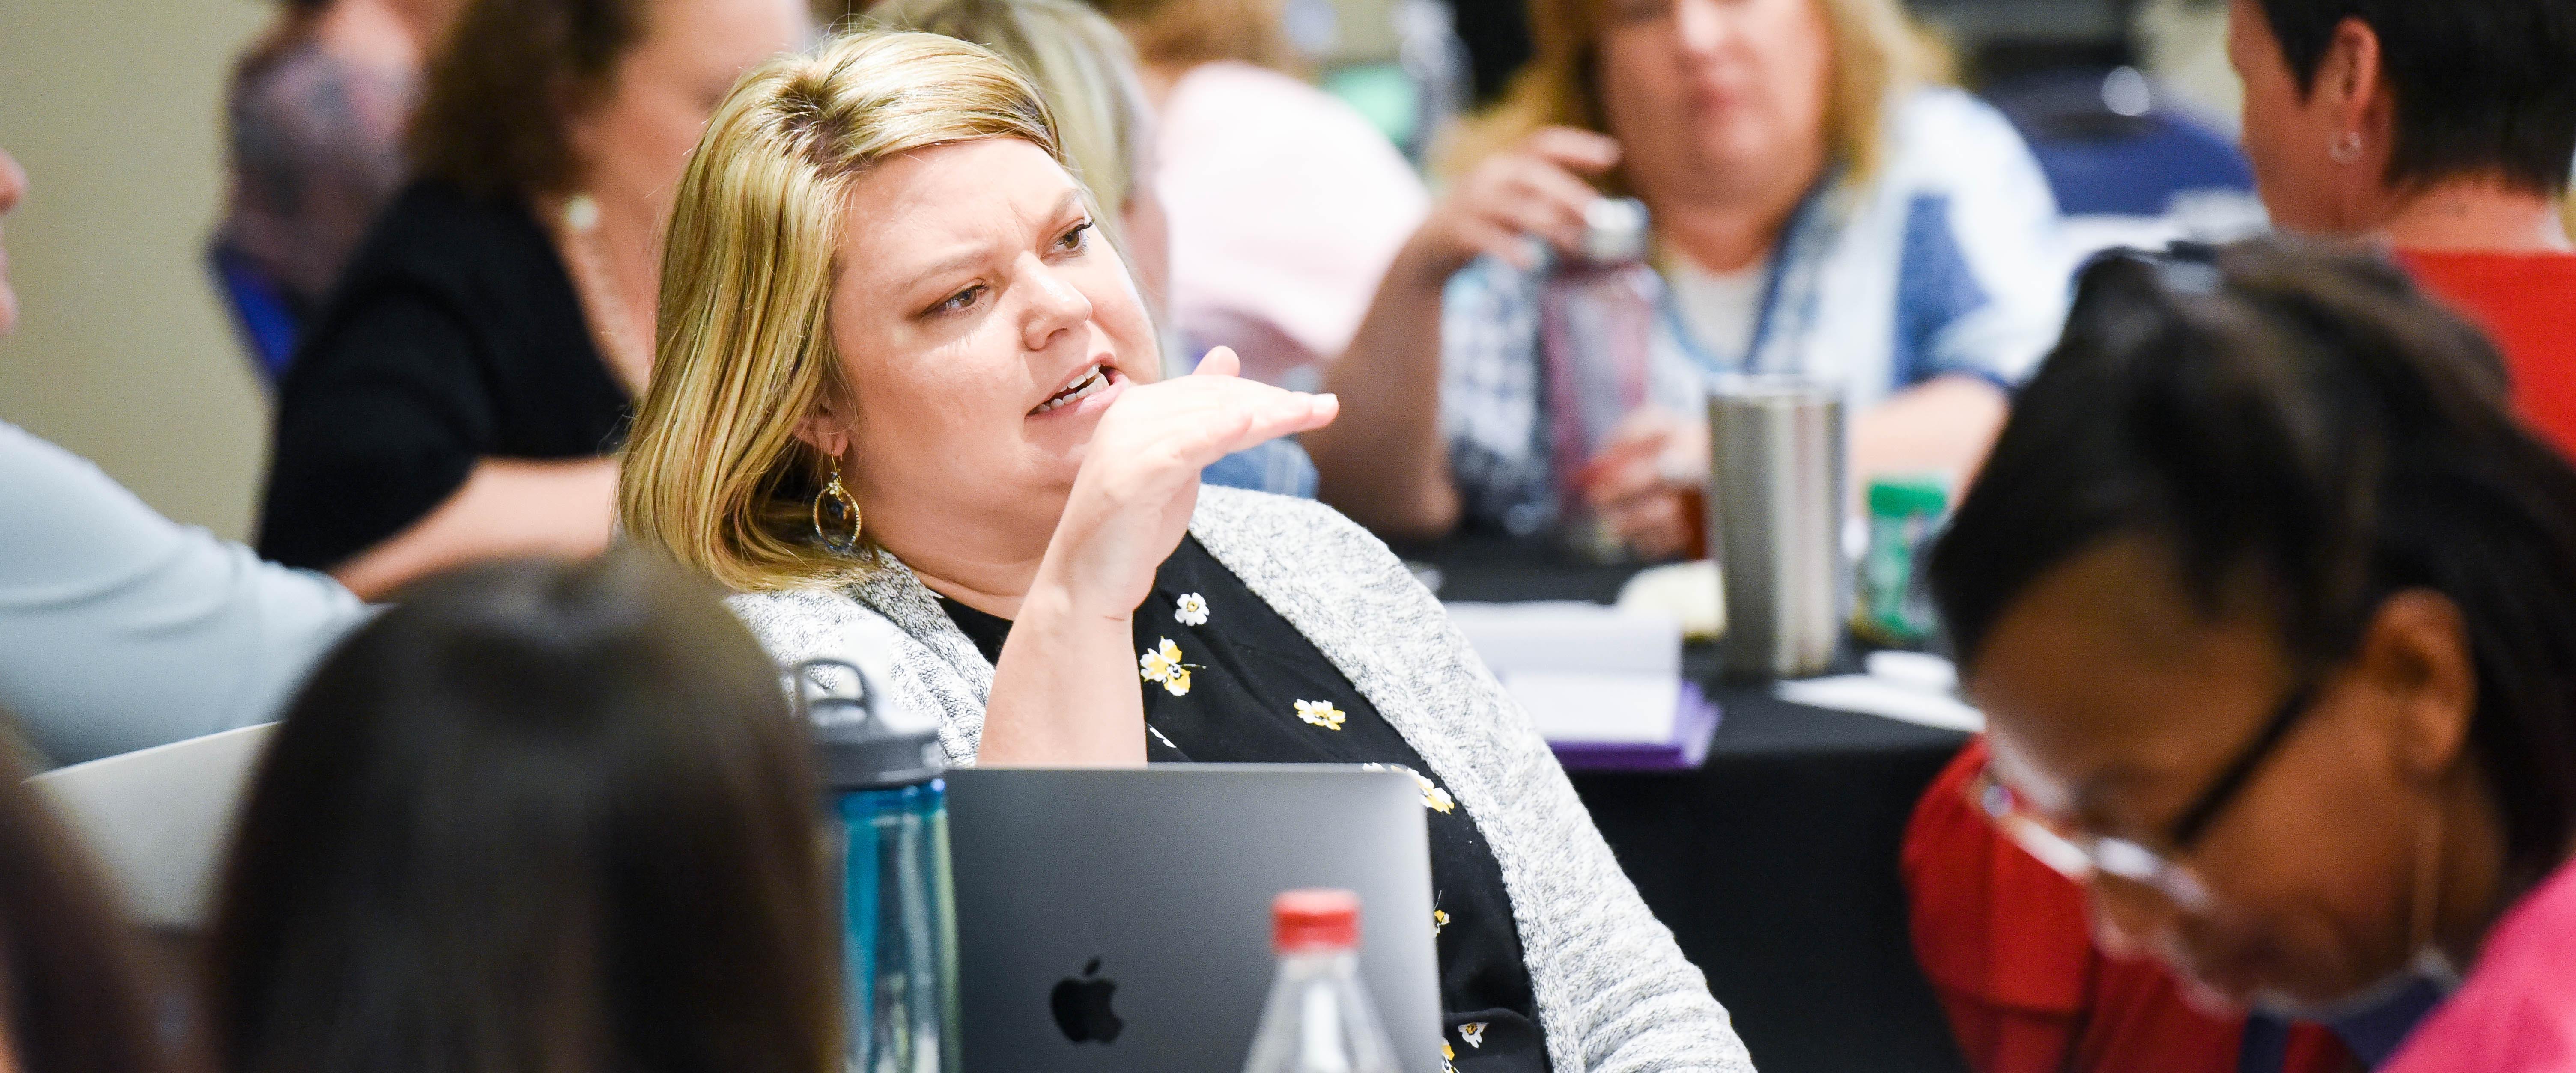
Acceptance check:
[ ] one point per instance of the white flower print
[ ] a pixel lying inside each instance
(1158, 736)
(1321, 713)
(1163, 664)
(1473, 1032)
(1191, 610)
(1447, 1056)
(1433, 797)
(1439, 922)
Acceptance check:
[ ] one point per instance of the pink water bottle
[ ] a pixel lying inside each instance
(1597, 315)
(1319, 1018)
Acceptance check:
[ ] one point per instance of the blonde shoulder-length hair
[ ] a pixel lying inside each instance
(1878, 51)
(713, 474)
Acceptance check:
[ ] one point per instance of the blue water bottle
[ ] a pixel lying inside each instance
(888, 819)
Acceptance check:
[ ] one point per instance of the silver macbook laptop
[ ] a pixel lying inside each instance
(1120, 920)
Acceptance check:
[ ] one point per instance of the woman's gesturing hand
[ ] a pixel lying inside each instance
(1140, 477)
(1536, 189)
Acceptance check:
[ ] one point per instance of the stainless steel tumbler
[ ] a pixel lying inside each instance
(1778, 485)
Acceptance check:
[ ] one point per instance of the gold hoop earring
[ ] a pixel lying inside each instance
(844, 511)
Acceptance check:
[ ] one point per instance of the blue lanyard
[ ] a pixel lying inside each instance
(1792, 247)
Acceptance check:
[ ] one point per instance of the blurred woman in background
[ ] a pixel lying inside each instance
(1820, 205)
(539, 817)
(315, 118)
(1088, 74)
(2271, 605)
(1286, 205)
(458, 399)
(2443, 130)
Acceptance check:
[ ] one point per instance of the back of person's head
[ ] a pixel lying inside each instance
(73, 991)
(713, 474)
(501, 92)
(2483, 88)
(2297, 433)
(1080, 62)
(1186, 33)
(1878, 52)
(538, 818)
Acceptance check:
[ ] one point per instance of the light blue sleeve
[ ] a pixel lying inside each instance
(121, 630)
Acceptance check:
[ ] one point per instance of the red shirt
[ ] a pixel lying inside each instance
(2527, 304)
(2517, 1011)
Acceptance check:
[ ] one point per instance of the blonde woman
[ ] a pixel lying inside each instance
(1087, 73)
(1820, 205)
(902, 394)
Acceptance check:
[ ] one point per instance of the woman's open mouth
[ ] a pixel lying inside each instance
(1091, 384)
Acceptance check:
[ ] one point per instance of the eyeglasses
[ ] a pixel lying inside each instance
(2081, 856)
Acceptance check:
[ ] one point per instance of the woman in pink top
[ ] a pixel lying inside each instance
(2271, 604)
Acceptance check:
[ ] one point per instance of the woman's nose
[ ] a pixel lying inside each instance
(2125, 919)
(1056, 306)
(1704, 25)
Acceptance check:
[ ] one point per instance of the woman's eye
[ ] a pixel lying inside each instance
(1076, 240)
(960, 301)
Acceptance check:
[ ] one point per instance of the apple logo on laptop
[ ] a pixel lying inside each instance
(1081, 1007)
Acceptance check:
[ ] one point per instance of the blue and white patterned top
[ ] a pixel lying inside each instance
(1949, 261)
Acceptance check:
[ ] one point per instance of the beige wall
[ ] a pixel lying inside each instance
(123, 353)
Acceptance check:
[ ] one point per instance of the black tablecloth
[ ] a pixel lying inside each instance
(1774, 864)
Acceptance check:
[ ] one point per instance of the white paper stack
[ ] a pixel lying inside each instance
(1586, 673)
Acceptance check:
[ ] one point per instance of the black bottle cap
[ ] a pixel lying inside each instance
(863, 738)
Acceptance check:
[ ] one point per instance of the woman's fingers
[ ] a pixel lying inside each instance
(1560, 190)
(1580, 150)
(1198, 419)
(1219, 362)
(1657, 526)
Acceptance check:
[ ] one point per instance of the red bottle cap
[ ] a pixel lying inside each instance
(1307, 920)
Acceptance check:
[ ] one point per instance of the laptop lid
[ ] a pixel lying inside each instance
(1120, 919)
(160, 820)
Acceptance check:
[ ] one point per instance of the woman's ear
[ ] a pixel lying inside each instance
(2353, 86)
(824, 430)
(2416, 651)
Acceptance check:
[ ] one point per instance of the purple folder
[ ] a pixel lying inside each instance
(1693, 726)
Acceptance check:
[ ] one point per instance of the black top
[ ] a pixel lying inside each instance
(455, 336)
(1226, 680)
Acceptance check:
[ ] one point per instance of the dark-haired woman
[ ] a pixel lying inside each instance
(74, 996)
(2444, 130)
(538, 818)
(456, 399)
(2271, 603)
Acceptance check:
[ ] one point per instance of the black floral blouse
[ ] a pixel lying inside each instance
(1226, 680)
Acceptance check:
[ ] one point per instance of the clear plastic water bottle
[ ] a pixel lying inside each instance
(881, 767)
(1319, 1018)
(1597, 328)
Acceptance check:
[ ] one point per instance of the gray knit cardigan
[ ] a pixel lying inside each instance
(1614, 994)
